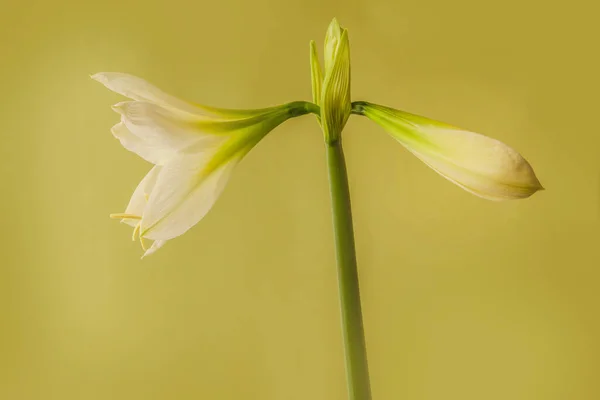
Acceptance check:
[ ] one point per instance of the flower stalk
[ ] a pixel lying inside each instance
(332, 91)
(355, 351)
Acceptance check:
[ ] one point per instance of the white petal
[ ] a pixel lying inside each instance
(183, 195)
(138, 201)
(162, 132)
(157, 244)
(145, 149)
(138, 89)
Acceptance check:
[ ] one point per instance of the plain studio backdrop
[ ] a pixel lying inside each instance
(464, 299)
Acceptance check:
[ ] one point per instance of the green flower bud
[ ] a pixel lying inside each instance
(334, 99)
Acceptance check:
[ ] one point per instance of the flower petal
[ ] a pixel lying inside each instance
(483, 166)
(183, 195)
(140, 90)
(138, 200)
(157, 244)
(315, 73)
(162, 132)
(332, 41)
(335, 96)
(149, 152)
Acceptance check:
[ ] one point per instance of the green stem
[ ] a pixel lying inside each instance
(355, 351)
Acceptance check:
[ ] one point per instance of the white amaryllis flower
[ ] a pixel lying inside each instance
(481, 165)
(193, 148)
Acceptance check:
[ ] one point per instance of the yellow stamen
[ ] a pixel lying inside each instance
(143, 243)
(146, 196)
(136, 230)
(124, 216)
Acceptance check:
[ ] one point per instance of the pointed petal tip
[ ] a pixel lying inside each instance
(534, 190)
(344, 35)
(537, 187)
(333, 30)
(157, 244)
(99, 77)
(119, 108)
(146, 254)
(109, 79)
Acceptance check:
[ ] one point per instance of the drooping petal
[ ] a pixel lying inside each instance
(140, 90)
(184, 193)
(481, 165)
(138, 200)
(161, 133)
(147, 150)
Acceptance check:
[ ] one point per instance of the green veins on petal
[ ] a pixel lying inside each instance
(335, 93)
(332, 41)
(316, 74)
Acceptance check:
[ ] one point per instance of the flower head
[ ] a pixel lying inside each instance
(331, 91)
(480, 165)
(194, 150)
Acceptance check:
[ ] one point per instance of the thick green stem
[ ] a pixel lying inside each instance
(355, 351)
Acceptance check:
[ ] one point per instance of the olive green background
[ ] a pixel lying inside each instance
(463, 298)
